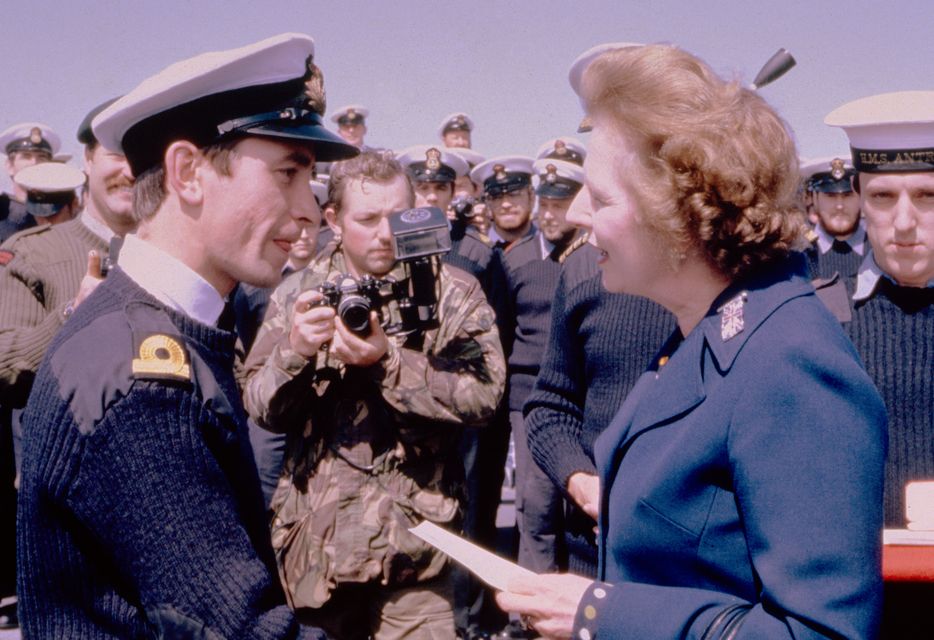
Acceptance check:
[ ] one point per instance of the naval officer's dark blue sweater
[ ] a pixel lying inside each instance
(140, 513)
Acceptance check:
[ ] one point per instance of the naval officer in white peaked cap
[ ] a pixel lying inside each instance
(140, 507)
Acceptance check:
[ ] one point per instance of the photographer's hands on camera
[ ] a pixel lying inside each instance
(316, 326)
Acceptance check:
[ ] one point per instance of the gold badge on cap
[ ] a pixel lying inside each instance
(837, 170)
(561, 149)
(458, 122)
(163, 357)
(35, 135)
(500, 172)
(552, 176)
(351, 114)
(732, 322)
(433, 159)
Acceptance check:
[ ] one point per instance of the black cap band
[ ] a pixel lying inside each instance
(27, 144)
(43, 205)
(348, 120)
(277, 110)
(824, 182)
(560, 189)
(420, 172)
(509, 183)
(893, 160)
(566, 154)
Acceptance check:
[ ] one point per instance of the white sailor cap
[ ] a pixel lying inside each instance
(429, 163)
(350, 114)
(830, 174)
(49, 186)
(563, 148)
(889, 132)
(270, 88)
(457, 121)
(503, 174)
(319, 187)
(558, 179)
(29, 136)
(469, 155)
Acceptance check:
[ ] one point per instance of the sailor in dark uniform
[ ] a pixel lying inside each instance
(433, 172)
(51, 191)
(892, 324)
(507, 190)
(532, 270)
(138, 483)
(24, 144)
(351, 124)
(839, 233)
(455, 130)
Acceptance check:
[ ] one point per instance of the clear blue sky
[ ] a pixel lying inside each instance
(505, 62)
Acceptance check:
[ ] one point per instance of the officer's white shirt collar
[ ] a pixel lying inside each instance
(868, 277)
(97, 227)
(170, 281)
(857, 239)
(547, 245)
(494, 236)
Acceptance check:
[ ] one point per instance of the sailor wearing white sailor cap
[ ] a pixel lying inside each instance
(433, 171)
(563, 148)
(24, 144)
(839, 234)
(507, 188)
(223, 147)
(351, 123)
(892, 326)
(455, 130)
(51, 191)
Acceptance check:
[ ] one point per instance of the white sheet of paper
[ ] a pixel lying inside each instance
(489, 567)
(906, 537)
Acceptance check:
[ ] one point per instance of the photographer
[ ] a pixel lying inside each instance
(435, 174)
(373, 422)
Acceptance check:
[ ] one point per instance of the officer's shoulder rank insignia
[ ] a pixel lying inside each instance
(576, 244)
(732, 322)
(161, 357)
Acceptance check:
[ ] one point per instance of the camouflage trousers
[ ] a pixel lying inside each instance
(423, 611)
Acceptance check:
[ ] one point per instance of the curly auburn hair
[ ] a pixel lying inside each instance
(717, 169)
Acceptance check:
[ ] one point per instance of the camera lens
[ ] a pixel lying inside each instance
(354, 311)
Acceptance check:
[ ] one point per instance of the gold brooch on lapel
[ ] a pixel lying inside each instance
(731, 317)
(162, 357)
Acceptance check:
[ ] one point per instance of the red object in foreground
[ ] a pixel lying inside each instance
(907, 563)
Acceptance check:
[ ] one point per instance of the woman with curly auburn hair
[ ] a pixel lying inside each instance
(741, 480)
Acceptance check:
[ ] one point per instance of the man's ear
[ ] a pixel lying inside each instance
(183, 163)
(330, 216)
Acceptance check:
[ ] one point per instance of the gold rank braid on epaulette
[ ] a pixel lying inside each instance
(574, 246)
(314, 87)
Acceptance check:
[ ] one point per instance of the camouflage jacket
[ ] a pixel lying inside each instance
(370, 451)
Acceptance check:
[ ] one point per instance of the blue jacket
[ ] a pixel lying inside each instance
(745, 470)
